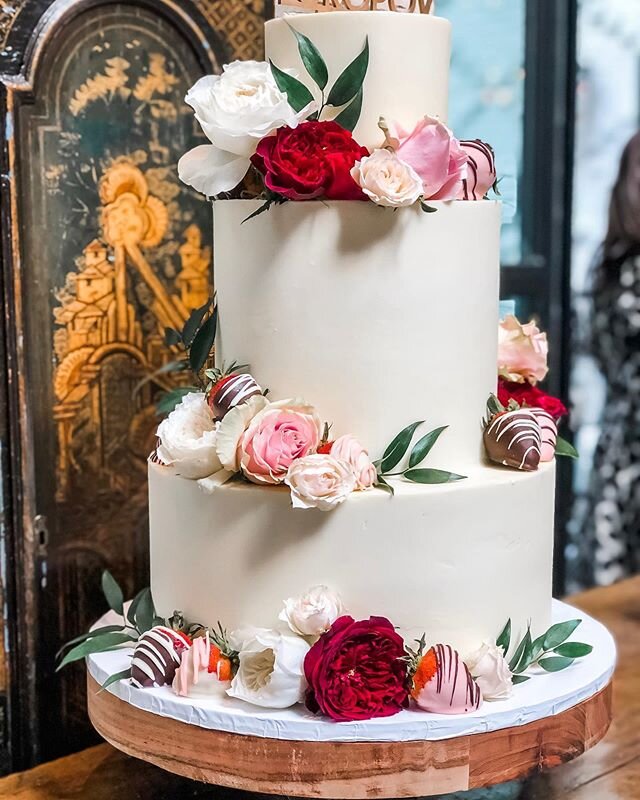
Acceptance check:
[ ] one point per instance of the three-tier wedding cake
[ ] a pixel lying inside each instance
(384, 452)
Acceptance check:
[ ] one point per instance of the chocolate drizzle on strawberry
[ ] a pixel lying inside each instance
(448, 660)
(481, 151)
(548, 433)
(156, 657)
(513, 439)
(231, 391)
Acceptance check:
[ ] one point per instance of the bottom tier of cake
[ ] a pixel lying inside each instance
(454, 561)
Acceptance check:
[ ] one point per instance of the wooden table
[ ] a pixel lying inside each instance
(611, 771)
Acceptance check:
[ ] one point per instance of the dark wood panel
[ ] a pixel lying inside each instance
(102, 248)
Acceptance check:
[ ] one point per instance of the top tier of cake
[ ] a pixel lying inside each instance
(409, 54)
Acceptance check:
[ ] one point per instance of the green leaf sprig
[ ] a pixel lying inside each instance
(346, 92)
(397, 450)
(494, 406)
(551, 651)
(138, 619)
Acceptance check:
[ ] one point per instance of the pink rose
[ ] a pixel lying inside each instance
(276, 436)
(481, 170)
(522, 351)
(434, 153)
(348, 448)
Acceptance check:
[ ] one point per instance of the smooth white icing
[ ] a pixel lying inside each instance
(454, 560)
(377, 318)
(409, 54)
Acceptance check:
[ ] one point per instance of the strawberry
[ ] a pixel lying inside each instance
(215, 389)
(181, 641)
(219, 664)
(426, 669)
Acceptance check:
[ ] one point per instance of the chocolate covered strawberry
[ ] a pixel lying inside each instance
(231, 391)
(513, 438)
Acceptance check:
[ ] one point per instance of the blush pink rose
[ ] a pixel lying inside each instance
(435, 155)
(481, 170)
(522, 351)
(348, 448)
(278, 435)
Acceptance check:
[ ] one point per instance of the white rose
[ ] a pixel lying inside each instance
(271, 668)
(387, 179)
(188, 438)
(489, 667)
(312, 613)
(319, 481)
(348, 448)
(235, 110)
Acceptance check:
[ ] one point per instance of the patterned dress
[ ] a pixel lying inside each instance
(613, 525)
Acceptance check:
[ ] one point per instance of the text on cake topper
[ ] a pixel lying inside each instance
(311, 6)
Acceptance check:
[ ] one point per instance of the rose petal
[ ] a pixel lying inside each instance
(211, 170)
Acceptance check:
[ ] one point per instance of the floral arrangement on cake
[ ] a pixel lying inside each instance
(299, 142)
(521, 428)
(317, 654)
(225, 427)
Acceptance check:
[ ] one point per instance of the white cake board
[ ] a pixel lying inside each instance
(545, 695)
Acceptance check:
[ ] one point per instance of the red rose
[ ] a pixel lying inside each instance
(357, 671)
(312, 160)
(527, 395)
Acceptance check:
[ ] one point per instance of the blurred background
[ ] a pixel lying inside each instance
(94, 122)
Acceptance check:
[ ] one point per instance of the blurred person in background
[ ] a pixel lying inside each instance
(612, 532)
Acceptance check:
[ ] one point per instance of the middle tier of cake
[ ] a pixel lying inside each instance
(454, 561)
(376, 318)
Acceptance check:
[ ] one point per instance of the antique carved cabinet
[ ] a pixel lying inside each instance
(102, 247)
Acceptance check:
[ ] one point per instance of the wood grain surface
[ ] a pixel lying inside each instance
(611, 771)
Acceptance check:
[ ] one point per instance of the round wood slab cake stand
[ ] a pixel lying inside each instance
(350, 769)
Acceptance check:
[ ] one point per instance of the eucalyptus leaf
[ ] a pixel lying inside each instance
(193, 323)
(573, 649)
(558, 633)
(398, 447)
(515, 660)
(349, 116)
(565, 448)
(504, 640)
(133, 607)
(99, 644)
(555, 663)
(145, 612)
(203, 342)
(351, 79)
(118, 676)
(311, 58)
(423, 447)
(386, 487)
(89, 635)
(112, 592)
(169, 400)
(537, 647)
(297, 93)
(171, 337)
(432, 476)
(525, 658)
(516, 679)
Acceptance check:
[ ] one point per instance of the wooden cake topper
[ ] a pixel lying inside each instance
(312, 6)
